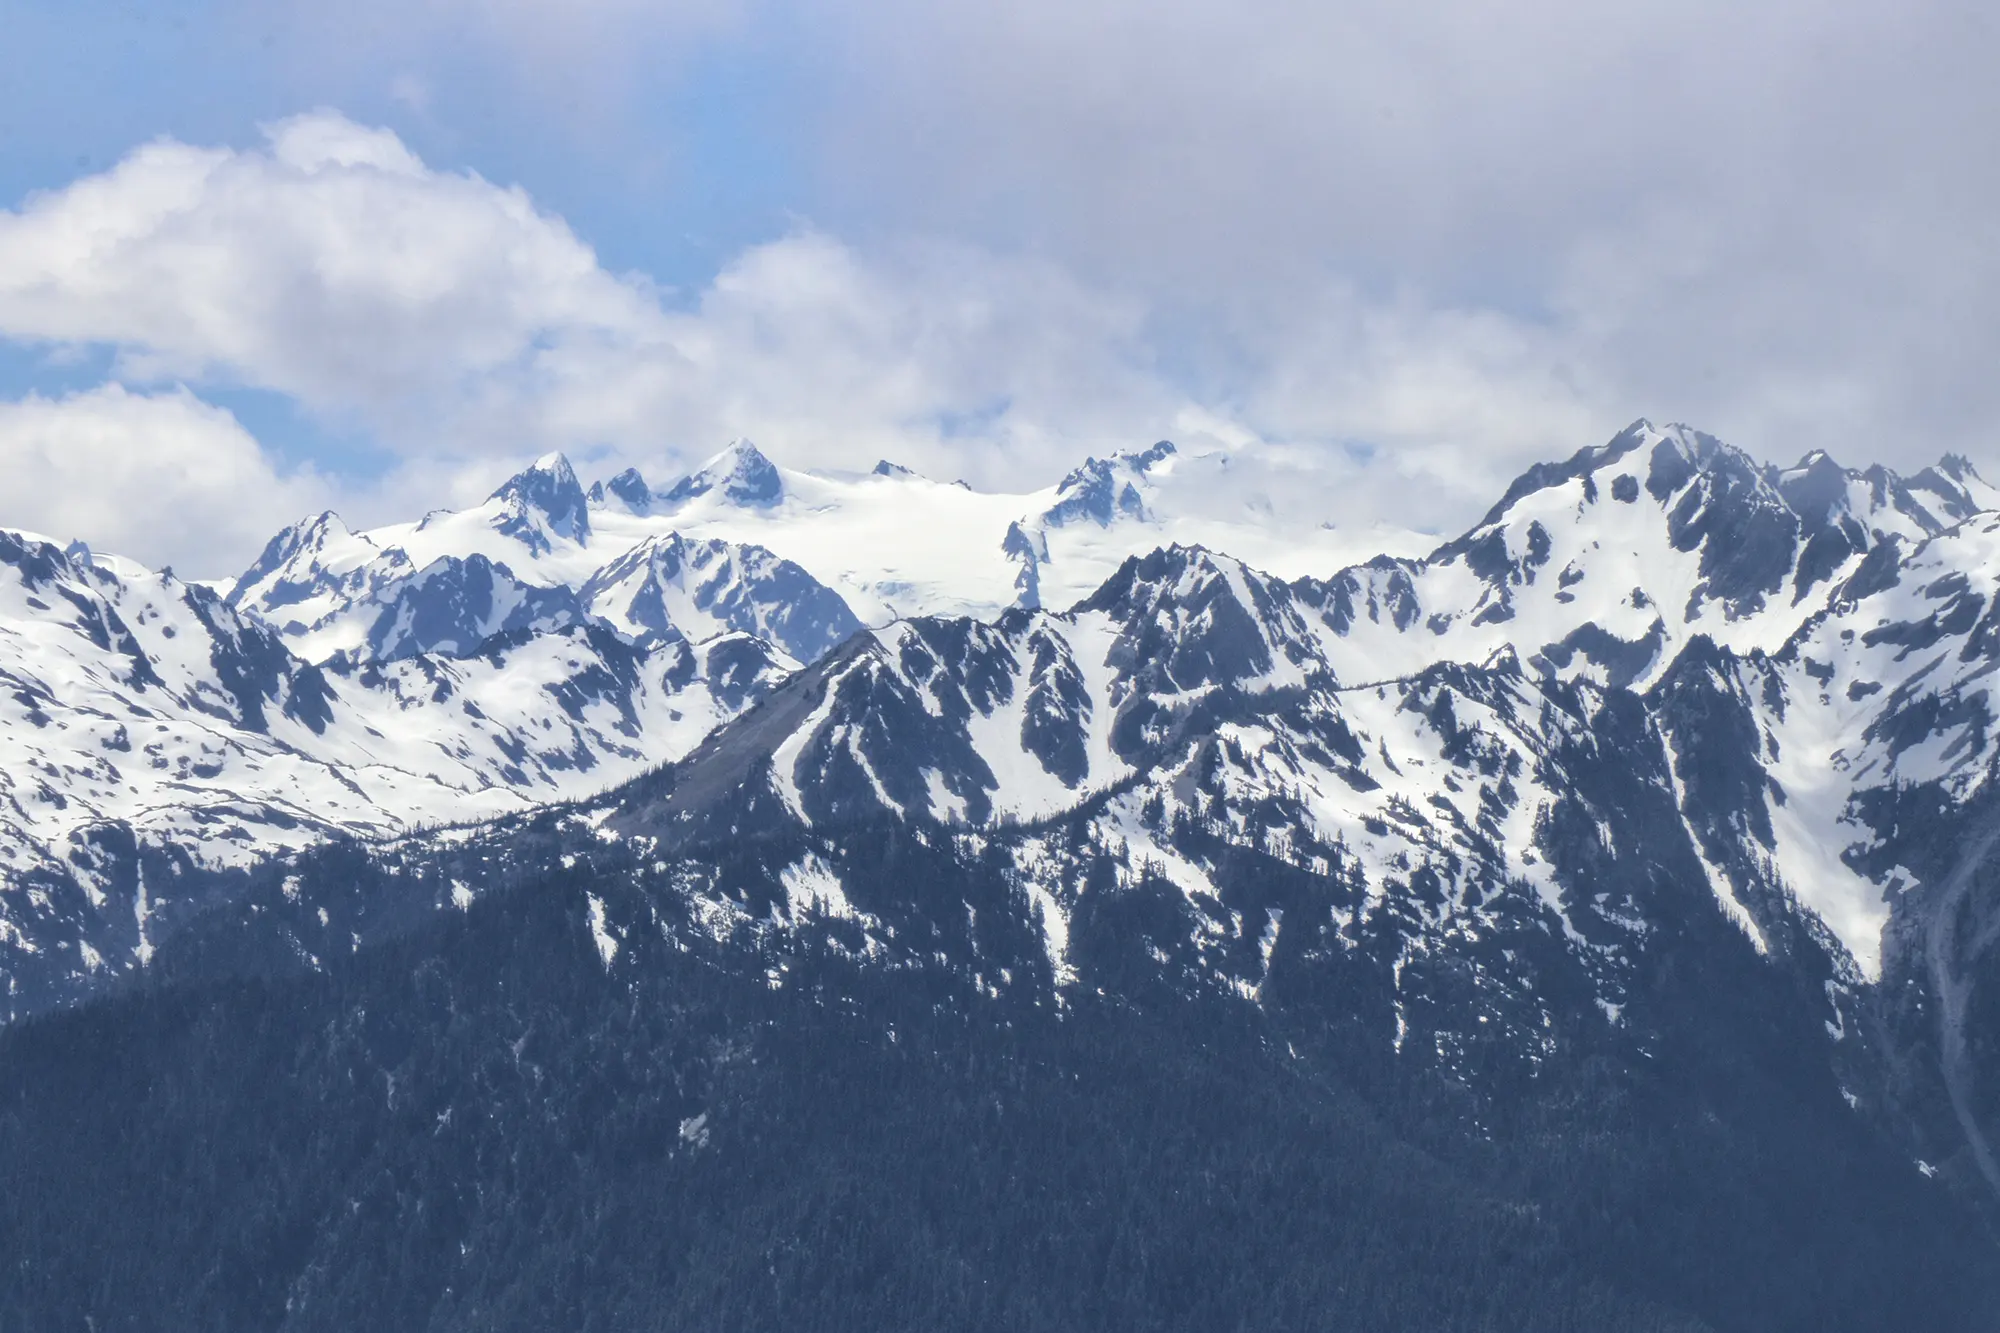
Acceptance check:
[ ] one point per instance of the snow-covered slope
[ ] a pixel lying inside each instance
(898, 544)
(1184, 718)
(1673, 753)
(1267, 508)
(672, 588)
(889, 544)
(145, 724)
(1664, 568)
(1758, 659)
(527, 560)
(1608, 564)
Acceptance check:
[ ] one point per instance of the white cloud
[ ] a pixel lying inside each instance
(471, 330)
(454, 318)
(163, 478)
(952, 359)
(1177, 289)
(1773, 219)
(330, 265)
(1467, 235)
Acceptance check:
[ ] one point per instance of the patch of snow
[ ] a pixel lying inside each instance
(600, 932)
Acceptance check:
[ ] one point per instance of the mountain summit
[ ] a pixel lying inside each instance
(546, 493)
(739, 474)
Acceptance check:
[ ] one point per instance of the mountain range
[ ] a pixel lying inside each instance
(1620, 867)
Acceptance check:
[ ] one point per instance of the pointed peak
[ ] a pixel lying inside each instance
(1958, 470)
(1666, 457)
(307, 535)
(741, 452)
(1104, 489)
(1814, 460)
(1138, 460)
(1816, 483)
(1956, 466)
(628, 488)
(547, 488)
(884, 468)
(1675, 438)
(551, 470)
(1959, 489)
(741, 473)
(1174, 569)
(1582, 463)
(1680, 454)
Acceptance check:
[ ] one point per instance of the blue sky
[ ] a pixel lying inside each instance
(259, 256)
(671, 173)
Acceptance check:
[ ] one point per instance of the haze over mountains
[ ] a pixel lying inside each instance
(1674, 757)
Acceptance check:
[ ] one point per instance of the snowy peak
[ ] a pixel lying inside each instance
(1848, 514)
(1665, 460)
(529, 560)
(740, 474)
(544, 498)
(1816, 485)
(1677, 454)
(453, 605)
(1718, 503)
(1708, 501)
(1191, 619)
(1270, 507)
(1823, 494)
(296, 563)
(628, 489)
(1104, 490)
(959, 720)
(442, 584)
(1600, 567)
(148, 639)
(672, 587)
(69, 598)
(1583, 463)
(1954, 489)
(153, 737)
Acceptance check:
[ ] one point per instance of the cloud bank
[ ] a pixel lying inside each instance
(162, 477)
(468, 329)
(1432, 245)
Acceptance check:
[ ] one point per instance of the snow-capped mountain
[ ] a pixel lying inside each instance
(553, 641)
(668, 588)
(1776, 657)
(1660, 701)
(540, 646)
(1639, 567)
(1655, 809)
(1658, 686)
(889, 544)
(1609, 563)
(895, 543)
(151, 732)
(527, 560)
